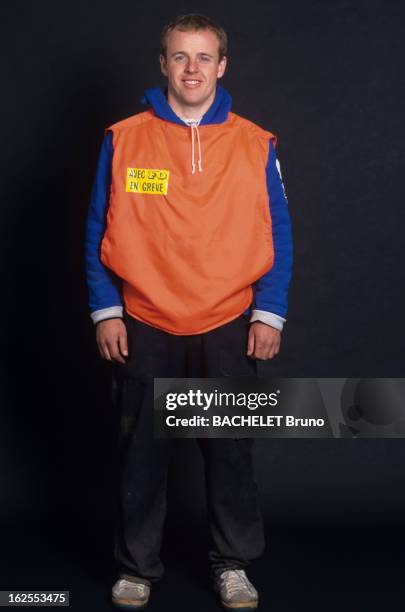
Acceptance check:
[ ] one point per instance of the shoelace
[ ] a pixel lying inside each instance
(234, 579)
(127, 584)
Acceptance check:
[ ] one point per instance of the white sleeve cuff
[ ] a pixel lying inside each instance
(106, 313)
(269, 318)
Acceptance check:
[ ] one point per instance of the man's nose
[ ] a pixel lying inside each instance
(191, 66)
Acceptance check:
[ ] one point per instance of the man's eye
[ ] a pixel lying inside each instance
(205, 58)
(178, 58)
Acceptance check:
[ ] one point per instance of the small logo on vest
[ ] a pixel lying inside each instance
(147, 180)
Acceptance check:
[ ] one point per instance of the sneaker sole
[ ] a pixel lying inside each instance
(127, 604)
(241, 607)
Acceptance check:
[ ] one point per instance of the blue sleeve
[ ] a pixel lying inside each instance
(272, 288)
(103, 285)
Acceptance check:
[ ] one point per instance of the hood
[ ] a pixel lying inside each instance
(217, 113)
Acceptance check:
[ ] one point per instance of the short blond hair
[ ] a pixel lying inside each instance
(195, 21)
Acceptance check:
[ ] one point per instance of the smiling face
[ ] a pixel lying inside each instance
(192, 68)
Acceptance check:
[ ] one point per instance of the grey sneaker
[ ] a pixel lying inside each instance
(236, 591)
(127, 594)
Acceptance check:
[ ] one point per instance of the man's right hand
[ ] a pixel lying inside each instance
(111, 336)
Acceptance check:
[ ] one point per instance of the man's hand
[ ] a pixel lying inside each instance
(111, 336)
(263, 341)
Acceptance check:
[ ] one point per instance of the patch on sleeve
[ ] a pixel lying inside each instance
(147, 180)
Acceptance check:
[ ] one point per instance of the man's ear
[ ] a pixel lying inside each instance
(163, 66)
(221, 67)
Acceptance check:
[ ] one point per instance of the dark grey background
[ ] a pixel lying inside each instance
(328, 79)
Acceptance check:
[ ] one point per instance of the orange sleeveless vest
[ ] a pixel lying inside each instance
(188, 246)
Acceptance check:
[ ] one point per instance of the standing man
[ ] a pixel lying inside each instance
(189, 257)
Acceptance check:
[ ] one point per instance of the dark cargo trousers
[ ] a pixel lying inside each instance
(234, 514)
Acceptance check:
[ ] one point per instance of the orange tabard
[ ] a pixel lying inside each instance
(188, 246)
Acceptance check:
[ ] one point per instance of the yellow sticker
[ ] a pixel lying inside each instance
(147, 180)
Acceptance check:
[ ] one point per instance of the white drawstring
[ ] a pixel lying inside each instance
(192, 149)
(199, 149)
(194, 123)
(194, 126)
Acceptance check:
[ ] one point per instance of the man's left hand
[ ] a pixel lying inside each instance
(263, 341)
